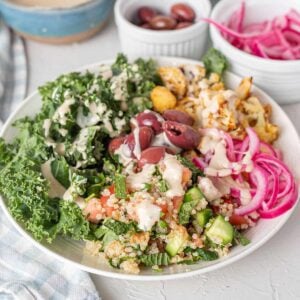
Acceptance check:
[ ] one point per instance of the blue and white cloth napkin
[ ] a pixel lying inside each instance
(26, 273)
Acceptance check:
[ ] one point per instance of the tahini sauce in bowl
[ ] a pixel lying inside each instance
(49, 3)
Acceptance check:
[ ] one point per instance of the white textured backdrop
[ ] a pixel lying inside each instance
(272, 272)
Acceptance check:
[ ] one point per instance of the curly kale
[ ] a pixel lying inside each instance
(79, 112)
(215, 61)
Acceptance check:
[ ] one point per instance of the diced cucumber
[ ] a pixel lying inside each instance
(220, 232)
(193, 194)
(162, 227)
(203, 216)
(191, 199)
(176, 240)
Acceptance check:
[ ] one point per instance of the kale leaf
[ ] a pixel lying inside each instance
(60, 170)
(215, 61)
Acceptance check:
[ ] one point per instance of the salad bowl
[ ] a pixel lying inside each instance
(70, 251)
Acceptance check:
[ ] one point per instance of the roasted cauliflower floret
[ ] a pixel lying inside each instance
(195, 75)
(255, 115)
(174, 80)
(244, 88)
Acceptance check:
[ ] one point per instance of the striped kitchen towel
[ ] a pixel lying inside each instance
(26, 273)
(13, 72)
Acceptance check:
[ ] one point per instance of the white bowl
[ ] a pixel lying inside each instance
(71, 251)
(281, 79)
(189, 42)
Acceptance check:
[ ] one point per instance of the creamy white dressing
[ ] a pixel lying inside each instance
(148, 214)
(55, 188)
(219, 164)
(219, 160)
(137, 181)
(105, 71)
(232, 98)
(247, 161)
(46, 126)
(80, 144)
(208, 189)
(172, 173)
(97, 109)
(190, 71)
(245, 196)
(134, 122)
(137, 147)
(162, 140)
(158, 116)
(211, 107)
(60, 148)
(119, 86)
(63, 131)
(124, 154)
(208, 144)
(60, 114)
(225, 184)
(88, 120)
(67, 196)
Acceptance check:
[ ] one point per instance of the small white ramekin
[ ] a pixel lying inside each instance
(280, 79)
(189, 42)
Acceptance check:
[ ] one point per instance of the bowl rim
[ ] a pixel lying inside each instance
(196, 27)
(239, 55)
(221, 264)
(48, 10)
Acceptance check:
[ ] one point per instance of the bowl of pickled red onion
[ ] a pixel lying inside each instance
(259, 44)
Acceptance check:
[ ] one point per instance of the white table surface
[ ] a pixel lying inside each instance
(272, 272)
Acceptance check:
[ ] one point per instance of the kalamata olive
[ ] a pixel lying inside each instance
(181, 135)
(146, 13)
(181, 25)
(162, 23)
(115, 144)
(178, 116)
(183, 12)
(149, 119)
(152, 155)
(145, 138)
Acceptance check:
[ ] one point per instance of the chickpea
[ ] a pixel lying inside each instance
(162, 99)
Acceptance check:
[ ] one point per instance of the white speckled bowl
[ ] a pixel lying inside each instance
(279, 78)
(189, 42)
(71, 251)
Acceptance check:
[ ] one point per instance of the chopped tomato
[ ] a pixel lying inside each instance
(186, 176)
(177, 200)
(93, 211)
(108, 209)
(163, 207)
(237, 220)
